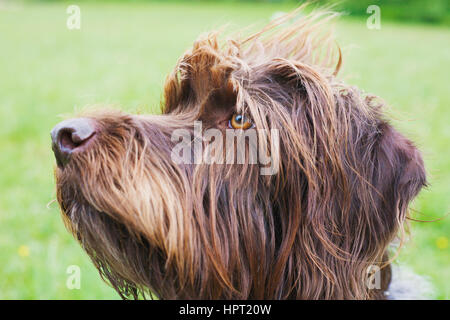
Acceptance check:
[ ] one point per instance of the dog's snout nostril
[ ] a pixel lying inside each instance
(70, 139)
(69, 136)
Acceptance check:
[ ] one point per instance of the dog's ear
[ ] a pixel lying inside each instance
(398, 174)
(341, 137)
(347, 179)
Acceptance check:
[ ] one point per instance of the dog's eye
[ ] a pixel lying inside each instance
(238, 121)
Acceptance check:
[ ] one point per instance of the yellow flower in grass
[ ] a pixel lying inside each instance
(23, 251)
(442, 242)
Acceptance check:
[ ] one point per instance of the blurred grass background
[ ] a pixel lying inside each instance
(121, 56)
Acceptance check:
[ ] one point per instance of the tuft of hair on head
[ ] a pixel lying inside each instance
(213, 63)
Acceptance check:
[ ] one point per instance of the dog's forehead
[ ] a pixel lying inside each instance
(219, 106)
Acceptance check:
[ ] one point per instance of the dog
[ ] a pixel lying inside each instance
(317, 224)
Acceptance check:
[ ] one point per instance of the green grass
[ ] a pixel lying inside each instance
(120, 57)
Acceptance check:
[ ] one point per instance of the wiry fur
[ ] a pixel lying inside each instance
(195, 231)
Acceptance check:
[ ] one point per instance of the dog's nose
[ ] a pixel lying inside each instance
(69, 136)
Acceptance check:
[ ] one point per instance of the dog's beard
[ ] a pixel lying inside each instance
(106, 204)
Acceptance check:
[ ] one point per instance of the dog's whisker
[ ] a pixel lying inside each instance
(50, 203)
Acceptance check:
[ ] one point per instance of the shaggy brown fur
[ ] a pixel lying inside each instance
(208, 231)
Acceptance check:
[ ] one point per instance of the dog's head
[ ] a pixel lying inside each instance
(177, 205)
